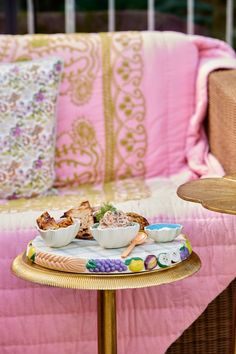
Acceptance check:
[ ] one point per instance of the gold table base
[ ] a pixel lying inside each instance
(106, 286)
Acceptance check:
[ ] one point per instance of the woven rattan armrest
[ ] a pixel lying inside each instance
(222, 118)
(213, 331)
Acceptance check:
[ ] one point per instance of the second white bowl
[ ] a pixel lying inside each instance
(115, 237)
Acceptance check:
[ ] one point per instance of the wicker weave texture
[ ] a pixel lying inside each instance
(222, 117)
(213, 331)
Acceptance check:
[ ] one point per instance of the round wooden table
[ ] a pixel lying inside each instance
(216, 194)
(106, 285)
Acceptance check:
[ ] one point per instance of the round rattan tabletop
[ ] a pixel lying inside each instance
(25, 269)
(216, 194)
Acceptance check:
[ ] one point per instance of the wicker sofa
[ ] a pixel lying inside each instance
(32, 309)
(214, 331)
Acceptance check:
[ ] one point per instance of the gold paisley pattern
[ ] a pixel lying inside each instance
(80, 141)
(82, 89)
(81, 66)
(119, 191)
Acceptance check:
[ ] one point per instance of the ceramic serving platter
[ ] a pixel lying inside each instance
(82, 256)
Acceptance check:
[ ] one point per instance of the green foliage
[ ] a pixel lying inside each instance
(106, 207)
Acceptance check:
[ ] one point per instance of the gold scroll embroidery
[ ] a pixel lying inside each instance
(108, 108)
(124, 105)
(129, 102)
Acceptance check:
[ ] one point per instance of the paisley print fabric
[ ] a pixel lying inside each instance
(28, 95)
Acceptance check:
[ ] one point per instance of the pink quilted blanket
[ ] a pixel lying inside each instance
(46, 320)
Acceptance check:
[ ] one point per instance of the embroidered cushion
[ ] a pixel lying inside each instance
(28, 95)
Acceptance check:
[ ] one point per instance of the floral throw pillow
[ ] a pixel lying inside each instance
(28, 97)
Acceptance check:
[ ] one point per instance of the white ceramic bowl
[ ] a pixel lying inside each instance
(114, 237)
(60, 237)
(163, 232)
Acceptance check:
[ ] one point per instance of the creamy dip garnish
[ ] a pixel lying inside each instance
(114, 219)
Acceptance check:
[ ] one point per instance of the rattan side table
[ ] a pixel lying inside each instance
(106, 285)
(216, 194)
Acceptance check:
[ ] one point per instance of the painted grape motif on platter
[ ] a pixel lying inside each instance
(105, 265)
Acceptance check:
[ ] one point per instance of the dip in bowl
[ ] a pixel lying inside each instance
(114, 237)
(163, 232)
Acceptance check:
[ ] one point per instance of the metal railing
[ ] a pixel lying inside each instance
(229, 21)
(70, 17)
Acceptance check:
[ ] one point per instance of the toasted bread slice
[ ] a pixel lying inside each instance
(134, 217)
(84, 213)
(46, 222)
(65, 222)
(84, 234)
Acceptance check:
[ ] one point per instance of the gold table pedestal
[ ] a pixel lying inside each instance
(106, 285)
(107, 342)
